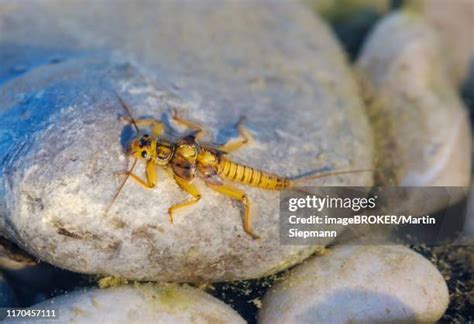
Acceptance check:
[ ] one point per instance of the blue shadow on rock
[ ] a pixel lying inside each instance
(18, 59)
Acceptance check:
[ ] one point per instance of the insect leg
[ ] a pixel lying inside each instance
(200, 132)
(157, 127)
(150, 181)
(190, 189)
(235, 145)
(236, 194)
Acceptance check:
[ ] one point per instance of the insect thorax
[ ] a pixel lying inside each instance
(184, 159)
(164, 151)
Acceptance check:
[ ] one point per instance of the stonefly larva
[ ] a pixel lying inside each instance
(187, 159)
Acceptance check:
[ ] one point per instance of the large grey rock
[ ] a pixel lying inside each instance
(60, 137)
(421, 126)
(146, 303)
(359, 284)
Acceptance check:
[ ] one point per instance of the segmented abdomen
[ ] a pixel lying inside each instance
(240, 173)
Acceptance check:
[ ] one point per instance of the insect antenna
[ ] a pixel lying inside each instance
(127, 175)
(303, 179)
(296, 181)
(128, 111)
(119, 190)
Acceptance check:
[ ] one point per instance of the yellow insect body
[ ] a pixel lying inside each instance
(247, 175)
(187, 158)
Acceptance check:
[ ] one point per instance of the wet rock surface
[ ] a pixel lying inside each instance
(144, 303)
(374, 283)
(62, 143)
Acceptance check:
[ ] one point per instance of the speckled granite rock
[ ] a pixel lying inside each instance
(361, 284)
(60, 137)
(144, 303)
(422, 130)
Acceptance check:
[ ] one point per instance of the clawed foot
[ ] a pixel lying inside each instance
(170, 216)
(253, 235)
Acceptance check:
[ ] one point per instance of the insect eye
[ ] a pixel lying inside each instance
(144, 154)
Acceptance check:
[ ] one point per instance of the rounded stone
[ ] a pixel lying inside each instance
(362, 284)
(145, 303)
(421, 126)
(453, 21)
(60, 139)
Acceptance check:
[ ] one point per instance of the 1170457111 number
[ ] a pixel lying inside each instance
(25, 313)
